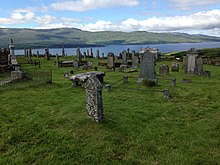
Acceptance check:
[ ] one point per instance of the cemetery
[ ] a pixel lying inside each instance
(131, 108)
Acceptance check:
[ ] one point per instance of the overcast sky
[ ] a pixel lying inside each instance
(189, 16)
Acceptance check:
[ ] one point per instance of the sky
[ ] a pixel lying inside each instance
(185, 16)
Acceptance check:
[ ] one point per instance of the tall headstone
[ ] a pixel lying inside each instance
(30, 52)
(84, 55)
(110, 60)
(128, 50)
(25, 52)
(94, 103)
(11, 49)
(91, 53)
(134, 60)
(47, 54)
(194, 63)
(63, 51)
(78, 56)
(88, 53)
(147, 66)
(97, 53)
(124, 58)
(199, 66)
(184, 65)
(38, 54)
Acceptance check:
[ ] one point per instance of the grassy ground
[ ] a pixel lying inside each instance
(47, 124)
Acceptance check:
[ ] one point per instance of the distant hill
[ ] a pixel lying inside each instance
(72, 37)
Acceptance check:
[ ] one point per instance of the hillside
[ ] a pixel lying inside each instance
(72, 37)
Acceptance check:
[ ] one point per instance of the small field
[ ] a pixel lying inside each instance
(46, 123)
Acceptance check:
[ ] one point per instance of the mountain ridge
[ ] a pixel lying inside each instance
(73, 37)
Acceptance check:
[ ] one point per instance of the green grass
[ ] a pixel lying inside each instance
(47, 124)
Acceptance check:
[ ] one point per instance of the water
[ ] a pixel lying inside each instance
(116, 49)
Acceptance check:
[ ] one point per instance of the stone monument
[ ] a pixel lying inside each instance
(147, 66)
(134, 60)
(164, 70)
(110, 60)
(94, 103)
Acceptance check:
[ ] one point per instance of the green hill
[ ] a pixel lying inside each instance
(73, 37)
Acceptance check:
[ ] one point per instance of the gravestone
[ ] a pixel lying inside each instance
(88, 53)
(164, 70)
(97, 53)
(173, 82)
(25, 52)
(194, 63)
(175, 67)
(110, 60)
(103, 55)
(124, 58)
(94, 103)
(154, 51)
(128, 54)
(38, 54)
(12, 52)
(63, 51)
(91, 53)
(166, 93)
(29, 56)
(134, 60)
(84, 55)
(199, 66)
(75, 65)
(78, 56)
(47, 55)
(147, 66)
(30, 52)
(184, 65)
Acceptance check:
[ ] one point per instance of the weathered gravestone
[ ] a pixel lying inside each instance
(63, 51)
(175, 67)
(12, 52)
(78, 56)
(38, 54)
(194, 64)
(97, 53)
(134, 60)
(75, 65)
(47, 54)
(164, 70)
(91, 53)
(110, 60)
(147, 71)
(124, 58)
(94, 103)
(84, 56)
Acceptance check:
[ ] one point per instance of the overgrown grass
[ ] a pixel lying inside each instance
(47, 124)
